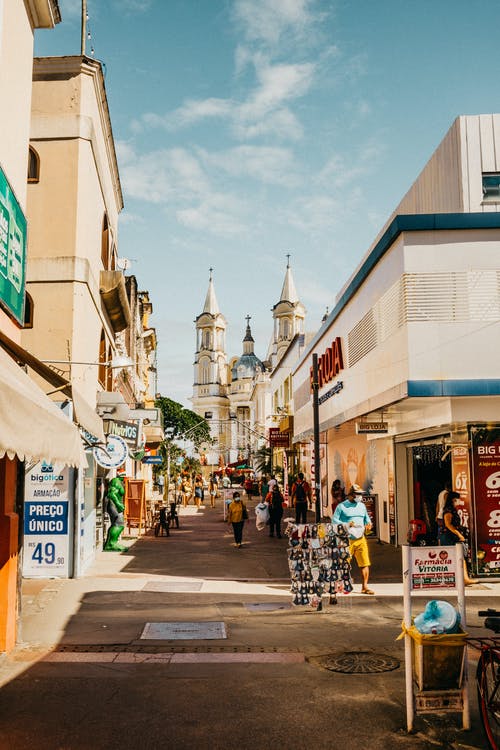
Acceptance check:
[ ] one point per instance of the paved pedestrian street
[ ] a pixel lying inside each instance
(190, 642)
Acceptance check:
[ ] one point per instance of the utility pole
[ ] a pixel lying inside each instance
(84, 26)
(317, 467)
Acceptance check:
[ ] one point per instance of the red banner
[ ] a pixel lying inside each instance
(278, 439)
(486, 468)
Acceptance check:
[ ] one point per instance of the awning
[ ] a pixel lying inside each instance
(153, 434)
(31, 425)
(114, 296)
(86, 417)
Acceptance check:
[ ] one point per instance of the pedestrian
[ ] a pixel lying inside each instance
(212, 489)
(272, 482)
(187, 491)
(237, 514)
(337, 493)
(163, 522)
(440, 508)
(275, 500)
(263, 487)
(198, 490)
(352, 513)
(453, 532)
(160, 481)
(301, 498)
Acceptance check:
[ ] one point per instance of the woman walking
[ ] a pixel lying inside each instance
(453, 532)
(236, 515)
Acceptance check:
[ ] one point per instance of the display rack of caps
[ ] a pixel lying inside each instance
(319, 562)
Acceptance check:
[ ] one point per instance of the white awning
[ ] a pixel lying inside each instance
(86, 416)
(31, 425)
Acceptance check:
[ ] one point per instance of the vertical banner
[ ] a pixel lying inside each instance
(391, 496)
(285, 478)
(48, 521)
(486, 473)
(461, 482)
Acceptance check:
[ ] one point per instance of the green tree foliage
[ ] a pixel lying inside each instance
(263, 458)
(183, 423)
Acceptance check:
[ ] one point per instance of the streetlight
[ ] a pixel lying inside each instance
(119, 362)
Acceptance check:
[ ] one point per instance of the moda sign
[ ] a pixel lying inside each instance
(330, 364)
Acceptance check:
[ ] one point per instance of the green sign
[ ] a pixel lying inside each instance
(12, 251)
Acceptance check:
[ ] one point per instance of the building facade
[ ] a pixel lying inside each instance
(409, 394)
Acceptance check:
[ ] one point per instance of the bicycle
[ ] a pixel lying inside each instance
(488, 677)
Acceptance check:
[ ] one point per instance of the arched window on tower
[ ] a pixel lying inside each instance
(205, 372)
(206, 339)
(105, 243)
(33, 165)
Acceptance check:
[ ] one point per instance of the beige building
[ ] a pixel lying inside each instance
(33, 428)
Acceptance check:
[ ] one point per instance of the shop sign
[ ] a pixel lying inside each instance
(330, 363)
(12, 251)
(278, 439)
(486, 469)
(371, 508)
(433, 567)
(113, 455)
(152, 460)
(47, 521)
(126, 430)
(371, 427)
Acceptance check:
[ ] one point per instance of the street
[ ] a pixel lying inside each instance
(244, 669)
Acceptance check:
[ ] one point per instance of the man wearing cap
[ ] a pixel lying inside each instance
(353, 515)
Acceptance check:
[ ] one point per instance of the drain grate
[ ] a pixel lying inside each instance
(359, 662)
(202, 631)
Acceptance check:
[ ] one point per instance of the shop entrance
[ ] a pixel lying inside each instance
(430, 475)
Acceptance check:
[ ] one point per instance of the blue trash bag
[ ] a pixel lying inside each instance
(438, 617)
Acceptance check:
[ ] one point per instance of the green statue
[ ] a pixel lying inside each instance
(115, 507)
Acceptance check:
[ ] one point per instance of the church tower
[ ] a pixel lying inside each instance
(210, 398)
(289, 315)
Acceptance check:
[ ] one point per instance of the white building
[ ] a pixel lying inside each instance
(409, 393)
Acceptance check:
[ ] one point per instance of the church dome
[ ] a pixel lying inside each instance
(247, 366)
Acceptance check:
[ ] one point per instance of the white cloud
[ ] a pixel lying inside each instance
(268, 20)
(268, 165)
(162, 176)
(217, 213)
(264, 112)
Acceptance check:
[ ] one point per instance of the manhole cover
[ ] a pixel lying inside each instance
(181, 631)
(359, 662)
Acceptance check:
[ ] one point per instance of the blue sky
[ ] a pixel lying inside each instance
(248, 129)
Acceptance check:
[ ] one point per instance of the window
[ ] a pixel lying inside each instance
(491, 186)
(105, 243)
(33, 166)
(28, 311)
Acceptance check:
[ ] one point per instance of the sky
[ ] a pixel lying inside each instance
(249, 129)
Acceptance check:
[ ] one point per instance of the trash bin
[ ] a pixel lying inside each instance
(438, 660)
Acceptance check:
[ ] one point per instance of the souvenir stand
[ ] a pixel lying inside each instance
(435, 665)
(319, 562)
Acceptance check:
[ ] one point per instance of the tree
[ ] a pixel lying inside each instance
(263, 460)
(183, 423)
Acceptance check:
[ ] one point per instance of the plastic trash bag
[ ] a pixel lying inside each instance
(261, 516)
(437, 617)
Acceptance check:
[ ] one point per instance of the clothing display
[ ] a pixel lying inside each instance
(319, 562)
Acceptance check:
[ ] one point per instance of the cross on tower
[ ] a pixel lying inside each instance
(248, 319)
(288, 260)
(211, 270)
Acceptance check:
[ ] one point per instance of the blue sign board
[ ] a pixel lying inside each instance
(152, 460)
